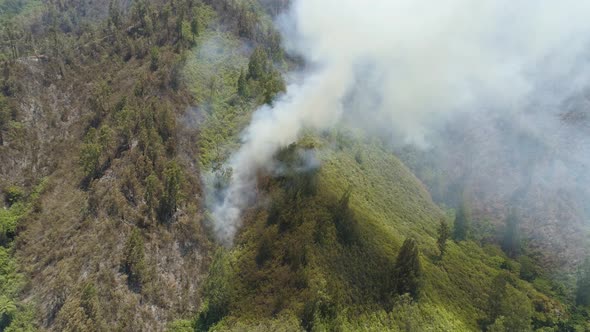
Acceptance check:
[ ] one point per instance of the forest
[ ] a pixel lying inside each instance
(117, 122)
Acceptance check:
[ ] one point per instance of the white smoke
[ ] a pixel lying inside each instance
(276, 127)
(410, 64)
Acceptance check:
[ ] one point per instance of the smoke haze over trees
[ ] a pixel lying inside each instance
(405, 70)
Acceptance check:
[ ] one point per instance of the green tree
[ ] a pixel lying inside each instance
(90, 158)
(7, 310)
(195, 27)
(462, 222)
(219, 291)
(154, 58)
(499, 325)
(152, 192)
(90, 153)
(408, 270)
(114, 14)
(508, 308)
(273, 84)
(344, 221)
(13, 35)
(106, 139)
(13, 194)
(498, 293)
(528, 269)
(511, 239)
(517, 310)
(169, 201)
(89, 302)
(583, 284)
(5, 117)
(178, 27)
(140, 12)
(22, 321)
(242, 82)
(443, 235)
(134, 260)
(181, 325)
(258, 64)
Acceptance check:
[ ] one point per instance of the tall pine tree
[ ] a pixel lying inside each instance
(134, 259)
(258, 64)
(408, 270)
(443, 235)
(508, 309)
(583, 285)
(242, 84)
(169, 201)
(511, 239)
(462, 222)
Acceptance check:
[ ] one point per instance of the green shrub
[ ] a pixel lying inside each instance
(182, 325)
(13, 194)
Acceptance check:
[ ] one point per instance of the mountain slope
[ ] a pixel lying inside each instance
(298, 260)
(116, 121)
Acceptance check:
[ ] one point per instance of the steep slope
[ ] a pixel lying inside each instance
(538, 172)
(102, 226)
(112, 240)
(318, 248)
(321, 255)
(116, 122)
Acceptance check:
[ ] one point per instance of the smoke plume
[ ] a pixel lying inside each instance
(407, 67)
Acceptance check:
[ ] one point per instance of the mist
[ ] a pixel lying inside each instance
(420, 72)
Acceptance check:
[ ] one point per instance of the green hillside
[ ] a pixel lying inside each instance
(116, 119)
(299, 262)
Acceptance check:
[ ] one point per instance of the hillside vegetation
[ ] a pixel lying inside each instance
(321, 256)
(116, 119)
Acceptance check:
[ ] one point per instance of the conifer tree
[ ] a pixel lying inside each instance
(443, 235)
(90, 154)
(195, 27)
(511, 239)
(172, 178)
(462, 222)
(114, 14)
(408, 270)
(154, 58)
(89, 302)
(583, 285)
(242, 84)
(152, 191)
(272, 84)
(258, 64)
(508, 308)
(498, 293)
(346, 226)
(134, 261)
